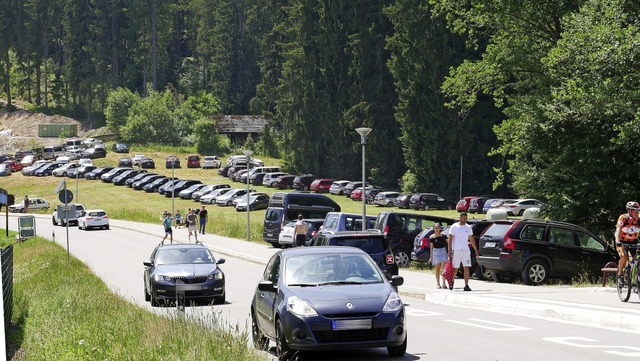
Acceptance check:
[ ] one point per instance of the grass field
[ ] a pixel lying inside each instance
(122, 202)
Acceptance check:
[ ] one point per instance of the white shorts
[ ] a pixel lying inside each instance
(461, 256)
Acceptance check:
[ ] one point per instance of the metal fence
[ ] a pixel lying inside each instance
(6, 262)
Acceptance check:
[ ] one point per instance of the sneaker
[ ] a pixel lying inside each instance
(466, 288)
(451, 286)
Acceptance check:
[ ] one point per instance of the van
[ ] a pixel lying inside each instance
(339, 221)
(53, 152)
(258, 170)
(74, 142)
(285, 207)
(401, 230)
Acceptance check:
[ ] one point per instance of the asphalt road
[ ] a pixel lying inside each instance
(443, 330)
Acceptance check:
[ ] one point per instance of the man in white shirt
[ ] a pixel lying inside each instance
(460, 235)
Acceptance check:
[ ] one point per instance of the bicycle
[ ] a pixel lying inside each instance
(630, 275)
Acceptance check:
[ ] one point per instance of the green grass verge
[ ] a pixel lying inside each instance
(62, 311)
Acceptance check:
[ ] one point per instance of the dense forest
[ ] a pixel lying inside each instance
(534, 98)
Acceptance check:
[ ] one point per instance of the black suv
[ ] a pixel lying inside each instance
(401, 229)
(372, 242)
(536, 250)
(429, 201)
(303, 182)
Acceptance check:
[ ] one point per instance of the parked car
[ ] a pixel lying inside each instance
(372, 242)
(177, 186)
(341, 221)
(94, 153)
(108, 177)
(270, 178)
(321, 185)
(353, 185)
(386, 199)
(79, 172)
(63, 170)
(30, 170)
(304, 290)
(146, 179)
(516, 207)
(463, 204)
(46, 170)
(193, 161)
(429, 201)
(337, 187)
(172, 162)
(137, 159)
(29, 159)
(141, 175)
(97, 173)
(153, 186)
(93, 218)
(120, 148)
(476, 204)
(120, 179)
(57, 219)
(210, 198)
(286, 234)
(402, 201)
(257, 179)
(167, 264)
(227, 198)
(489, 203)
(147, 163)
(256, 201)
(285, 181)
(356, 194)
(224, 171)
(125, 162)
(303, 182)
(537, 250)
(210, 162)
(34, 204)
(401, 230)
(5, 169)
(186, 193)
(206, 190)
(13, 165)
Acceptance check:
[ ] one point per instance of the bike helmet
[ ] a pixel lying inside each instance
(633, 205)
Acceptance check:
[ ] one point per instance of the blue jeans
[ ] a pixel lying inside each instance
(203, 223)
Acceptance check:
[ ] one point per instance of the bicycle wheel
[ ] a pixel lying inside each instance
(624, 288)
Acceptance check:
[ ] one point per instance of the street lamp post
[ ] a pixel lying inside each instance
(248, 152)
(77, 193)
(363, 135)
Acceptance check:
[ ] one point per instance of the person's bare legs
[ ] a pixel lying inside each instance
(438, 275)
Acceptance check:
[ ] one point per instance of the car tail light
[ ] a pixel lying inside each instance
(512, 206)
(386, 230)
(508, 244)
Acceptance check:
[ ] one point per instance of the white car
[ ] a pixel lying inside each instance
(57, 221)
(94, 218)
(227, 198)
(286, 234)
(210, 197)
(63, 170)
(34, 203)
(137, 159)
(85, 162)
(210, 161)
(90, 142)
(516, 207)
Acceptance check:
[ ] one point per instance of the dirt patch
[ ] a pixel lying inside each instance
(23, 126)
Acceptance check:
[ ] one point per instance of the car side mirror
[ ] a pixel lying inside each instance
(221, 261)
(397, 280)
(147, 264)
(266, 286)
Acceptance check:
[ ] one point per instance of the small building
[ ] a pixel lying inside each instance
(238, 127)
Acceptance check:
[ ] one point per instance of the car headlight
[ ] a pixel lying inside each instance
(393, 304)
(300, 307)
(216, 276)
(160, 278)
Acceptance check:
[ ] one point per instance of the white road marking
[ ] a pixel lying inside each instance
(420, 313)
(485, 324)
(581, 342)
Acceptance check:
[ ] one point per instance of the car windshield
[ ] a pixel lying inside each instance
(330, 269)
(182, 256)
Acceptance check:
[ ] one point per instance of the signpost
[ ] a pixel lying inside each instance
(6, 200)
(26, 227)
(65, 197)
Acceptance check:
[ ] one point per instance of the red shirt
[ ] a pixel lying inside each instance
(628, 228)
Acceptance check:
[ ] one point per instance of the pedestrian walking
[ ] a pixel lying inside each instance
(438, 252)
(204, 217)
(26, 204)
(300, 232)
(178, 219)
(191, 224)
(460, 235)
(166, 222)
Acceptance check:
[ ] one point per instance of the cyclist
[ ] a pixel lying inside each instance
(627, 229)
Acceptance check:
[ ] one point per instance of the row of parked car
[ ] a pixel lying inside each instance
(482, 204)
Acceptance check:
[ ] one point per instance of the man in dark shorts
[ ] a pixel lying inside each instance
(203, 219)
(166, 222)
(627, 233)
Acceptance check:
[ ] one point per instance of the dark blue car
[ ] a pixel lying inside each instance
(327, 298)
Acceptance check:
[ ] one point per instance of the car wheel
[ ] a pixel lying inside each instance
(260, 341)
(53, 220)
(106, 227)
(426, 208)
(449, 208)
(282, 349)
(147, 296)
(389, 204)
(482, 273)
(535, 272)
(501, 277)
(229, 203)
(521, 212)
(398, 351)
(402, 258)
(220, 300)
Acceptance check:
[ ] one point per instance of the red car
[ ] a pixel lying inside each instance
(14, 165)
(321, 185)
(463, 203)
(193, 161)
(356, 194)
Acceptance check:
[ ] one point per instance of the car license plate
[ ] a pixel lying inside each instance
(351, 324)
(490, 245)
(269, 234)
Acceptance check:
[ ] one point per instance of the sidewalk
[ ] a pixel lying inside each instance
(594, 306)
